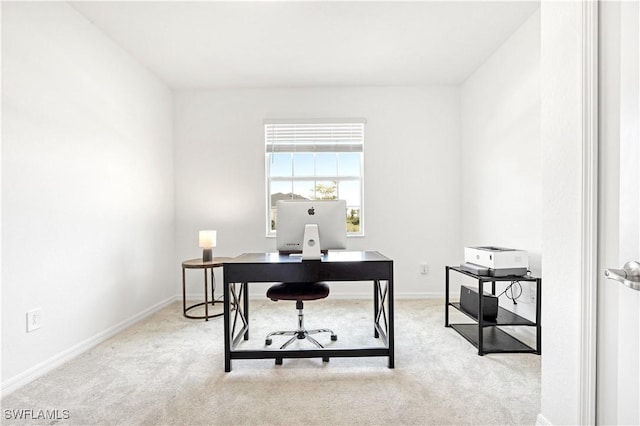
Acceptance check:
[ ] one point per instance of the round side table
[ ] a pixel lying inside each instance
(208, 266)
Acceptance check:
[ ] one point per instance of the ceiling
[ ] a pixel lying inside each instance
(240, 44)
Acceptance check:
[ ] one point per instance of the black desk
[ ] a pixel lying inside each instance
(335, 266)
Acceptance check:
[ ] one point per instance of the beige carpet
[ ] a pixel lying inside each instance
(170, 370)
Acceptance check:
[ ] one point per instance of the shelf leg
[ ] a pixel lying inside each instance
(538, 316)
(480, 317)
(446, 296)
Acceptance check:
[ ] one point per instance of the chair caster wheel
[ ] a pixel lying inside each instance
(334, 337)
(325, 359)
(268, 342)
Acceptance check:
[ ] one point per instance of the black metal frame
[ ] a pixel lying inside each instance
(336, 267)
(486, 335)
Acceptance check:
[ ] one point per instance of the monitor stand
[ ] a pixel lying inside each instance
(311, 243)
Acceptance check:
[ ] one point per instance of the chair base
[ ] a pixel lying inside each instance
(300, 335)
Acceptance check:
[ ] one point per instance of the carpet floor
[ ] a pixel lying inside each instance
(169, 370)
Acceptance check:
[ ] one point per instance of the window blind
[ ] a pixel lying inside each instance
(314, 137)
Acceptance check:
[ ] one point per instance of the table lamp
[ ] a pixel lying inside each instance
(207, 241)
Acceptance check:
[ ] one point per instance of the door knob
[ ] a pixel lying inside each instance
(629, 275)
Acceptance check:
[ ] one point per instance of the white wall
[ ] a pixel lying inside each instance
(500, 155)
(412, 172)
(561, 86)
(501, 180)
(87, 187)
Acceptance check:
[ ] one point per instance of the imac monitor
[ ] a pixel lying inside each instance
(311, 227)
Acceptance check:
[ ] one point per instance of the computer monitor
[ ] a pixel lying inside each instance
(325, 223)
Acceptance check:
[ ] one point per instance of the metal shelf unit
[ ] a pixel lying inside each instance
(486, 335)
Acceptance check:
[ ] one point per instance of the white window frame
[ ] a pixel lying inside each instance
(314, 136)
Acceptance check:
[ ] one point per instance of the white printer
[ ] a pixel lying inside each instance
(496, 261)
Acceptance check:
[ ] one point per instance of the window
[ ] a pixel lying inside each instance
(319, 160)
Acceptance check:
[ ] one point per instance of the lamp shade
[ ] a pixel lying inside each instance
(207, 239)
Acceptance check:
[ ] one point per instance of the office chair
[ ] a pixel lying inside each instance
(299, 292)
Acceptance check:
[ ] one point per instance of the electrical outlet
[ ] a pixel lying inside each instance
(424, 268)
(34, 319)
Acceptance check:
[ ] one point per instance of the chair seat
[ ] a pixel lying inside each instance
(298, 291)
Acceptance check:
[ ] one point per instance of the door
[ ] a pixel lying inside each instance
(618, 352)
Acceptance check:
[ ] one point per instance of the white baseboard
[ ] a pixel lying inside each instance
(40, 369)
(542, 421)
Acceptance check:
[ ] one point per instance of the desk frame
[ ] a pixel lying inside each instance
(337, 266)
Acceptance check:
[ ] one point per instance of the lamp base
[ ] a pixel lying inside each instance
(207, 255)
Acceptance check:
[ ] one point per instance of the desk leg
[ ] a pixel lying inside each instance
(245, 301)
(390, 334)
(383, 316)
(376, 301)
(381, 311)
(232, 298)
(240, 302)
(227, 329)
